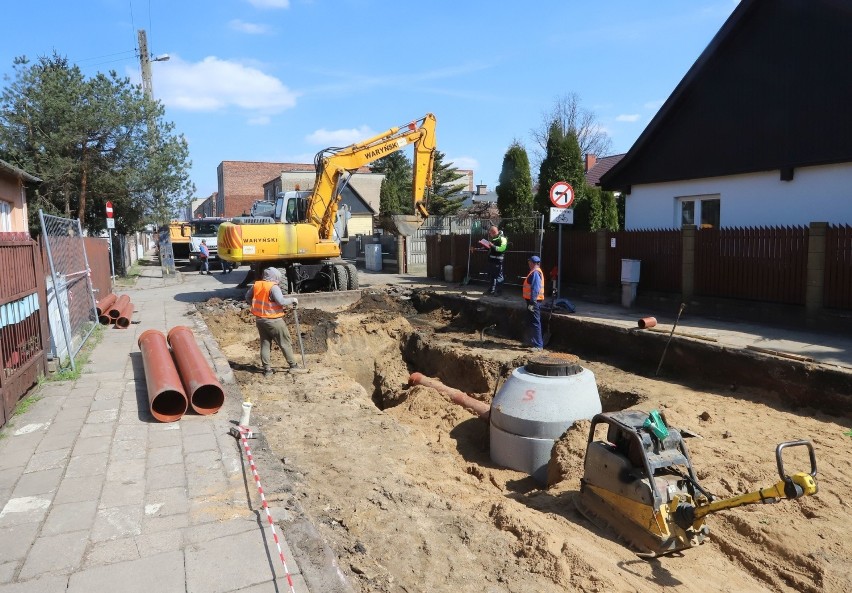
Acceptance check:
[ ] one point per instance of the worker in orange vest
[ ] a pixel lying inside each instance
(268, 305)
(533, 291)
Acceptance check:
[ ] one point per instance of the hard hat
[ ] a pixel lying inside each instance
(535, 259)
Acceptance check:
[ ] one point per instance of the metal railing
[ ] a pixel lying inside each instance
(71, 301)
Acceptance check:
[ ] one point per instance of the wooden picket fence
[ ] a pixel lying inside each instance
(838, 267)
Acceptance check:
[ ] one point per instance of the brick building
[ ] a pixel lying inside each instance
(241, 183)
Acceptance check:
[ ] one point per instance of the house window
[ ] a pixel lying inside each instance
(704, 211)
(5, 217)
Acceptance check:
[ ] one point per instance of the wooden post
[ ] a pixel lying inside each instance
(687, 288)
(600, 261)
(815, 284)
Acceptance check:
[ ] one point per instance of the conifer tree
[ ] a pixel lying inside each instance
(514, 190)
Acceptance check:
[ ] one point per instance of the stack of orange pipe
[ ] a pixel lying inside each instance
(178, 378)
(103, 307)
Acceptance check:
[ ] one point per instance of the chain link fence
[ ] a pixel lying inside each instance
(70, 298)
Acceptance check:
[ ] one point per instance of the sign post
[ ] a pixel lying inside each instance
(110, 225)
(561, 196)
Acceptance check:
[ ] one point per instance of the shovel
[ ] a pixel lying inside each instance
(299, 334)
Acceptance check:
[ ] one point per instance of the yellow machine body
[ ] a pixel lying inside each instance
(639, 483)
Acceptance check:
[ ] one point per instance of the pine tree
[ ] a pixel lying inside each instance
(447, 196)
(91, 140)
(395, 194)
(514, 190)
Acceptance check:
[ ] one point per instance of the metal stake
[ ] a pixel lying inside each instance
(299, 334)
(682, 307)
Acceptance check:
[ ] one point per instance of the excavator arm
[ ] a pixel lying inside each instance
(334, 165)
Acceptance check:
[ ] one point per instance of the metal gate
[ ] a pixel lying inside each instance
(70, 298)
(415, 245)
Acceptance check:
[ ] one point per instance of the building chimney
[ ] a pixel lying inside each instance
(590, 162)
(481, 190)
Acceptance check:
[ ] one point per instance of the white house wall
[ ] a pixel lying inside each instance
(816, 194)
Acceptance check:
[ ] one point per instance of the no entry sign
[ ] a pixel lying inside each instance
(109, 209)
(562, 194)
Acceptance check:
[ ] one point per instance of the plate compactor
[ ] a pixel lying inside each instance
(640, 484)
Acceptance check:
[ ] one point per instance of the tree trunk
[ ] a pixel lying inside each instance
(81, 211)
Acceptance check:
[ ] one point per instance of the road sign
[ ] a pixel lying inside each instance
(110, 223)
(109, 209)
(562, 216)
(562, 194)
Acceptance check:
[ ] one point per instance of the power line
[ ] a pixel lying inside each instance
(132, 53)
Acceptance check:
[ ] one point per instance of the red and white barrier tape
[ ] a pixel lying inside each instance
(243, 432)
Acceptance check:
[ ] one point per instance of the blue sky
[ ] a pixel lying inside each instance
(278, 80)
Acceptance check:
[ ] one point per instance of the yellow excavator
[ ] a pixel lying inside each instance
(302, 238)
(639, 483)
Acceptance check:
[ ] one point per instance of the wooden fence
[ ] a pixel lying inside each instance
(838, 267)
(660, 252)
(759, 264)
(23, 319)
(788, 266)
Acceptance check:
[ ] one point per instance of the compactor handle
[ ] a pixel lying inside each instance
(780, 460)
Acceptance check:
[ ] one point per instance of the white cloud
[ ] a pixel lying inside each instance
(270, 3)
(213, 84)
(464, 162)
(261, 120)
(654, 104)
(250, 28)
(627, 117)
(343, 137)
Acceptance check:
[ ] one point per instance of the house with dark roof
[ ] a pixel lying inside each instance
(594, 167)
(759, 130)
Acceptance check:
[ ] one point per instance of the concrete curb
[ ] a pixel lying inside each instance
(315, 558)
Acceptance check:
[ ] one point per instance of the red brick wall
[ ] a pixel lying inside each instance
(241, 183)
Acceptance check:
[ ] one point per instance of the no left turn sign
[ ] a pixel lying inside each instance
(562, 194)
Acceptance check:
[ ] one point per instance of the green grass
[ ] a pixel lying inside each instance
(67, 374)
(25, 404)
(129, 279)
(848, 433)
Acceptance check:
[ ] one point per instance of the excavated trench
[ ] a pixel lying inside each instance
(399, 481)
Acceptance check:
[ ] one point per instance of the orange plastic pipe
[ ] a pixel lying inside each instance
(205, 392)
(124, 317)
(479, 408)
(105, 303)
(647, 322)
(118, 305)
(166, 397)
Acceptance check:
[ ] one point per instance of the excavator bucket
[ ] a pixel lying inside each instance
(402, 224)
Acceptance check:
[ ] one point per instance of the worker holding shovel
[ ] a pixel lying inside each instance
(268, 306)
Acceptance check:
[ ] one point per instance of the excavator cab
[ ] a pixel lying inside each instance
(293, 205)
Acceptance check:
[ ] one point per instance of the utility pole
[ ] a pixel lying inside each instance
(145, 63)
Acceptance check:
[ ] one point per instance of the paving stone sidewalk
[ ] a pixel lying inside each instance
(95, 495)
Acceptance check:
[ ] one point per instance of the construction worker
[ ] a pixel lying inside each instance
(534, 295)
(204, 256)
(497, 247)
(268, 306)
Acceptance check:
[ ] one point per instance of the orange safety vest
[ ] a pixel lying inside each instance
(262, 304)
(528, 285)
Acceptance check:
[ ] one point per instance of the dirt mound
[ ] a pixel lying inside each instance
(401, 484)
(375, 301)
